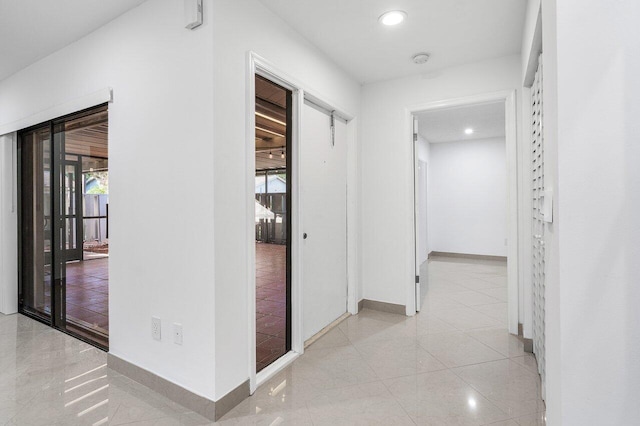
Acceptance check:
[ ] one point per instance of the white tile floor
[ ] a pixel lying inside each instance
(452, 364)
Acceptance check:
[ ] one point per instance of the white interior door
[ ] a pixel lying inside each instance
(323, 197)
(421, 231)
(420, 220)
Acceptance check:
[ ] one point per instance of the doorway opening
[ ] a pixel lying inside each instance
(63, 169)
(466, 207)
(273, 130)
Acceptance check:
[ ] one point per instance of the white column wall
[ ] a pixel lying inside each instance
(593, 339)
(240, 27)
(8, 225)
(161, 176)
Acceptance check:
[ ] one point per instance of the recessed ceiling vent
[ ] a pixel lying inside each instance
(421, 58)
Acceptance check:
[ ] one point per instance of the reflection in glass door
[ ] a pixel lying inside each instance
(35, 241)
(63, 175)
(273, 221)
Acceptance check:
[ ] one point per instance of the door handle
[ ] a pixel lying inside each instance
(304, 236)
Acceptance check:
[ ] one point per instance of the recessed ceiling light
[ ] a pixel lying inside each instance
(393, 17)
(468, 131)
(421, 58)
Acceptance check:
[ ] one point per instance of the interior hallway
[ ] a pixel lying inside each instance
(452, 364)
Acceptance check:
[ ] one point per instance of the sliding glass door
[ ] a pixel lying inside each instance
(59, 284)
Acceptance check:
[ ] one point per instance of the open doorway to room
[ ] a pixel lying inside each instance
(64, 224)
(272, 221)
(464, 195)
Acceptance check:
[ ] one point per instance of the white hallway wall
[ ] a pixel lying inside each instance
(467, 199)
(8, 225)
(195, 83)
(160, 139)
(593, 339)
(239, 27)
(386, 203)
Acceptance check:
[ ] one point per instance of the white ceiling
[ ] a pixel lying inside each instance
(448, 125)
(33, 29)
(454, 32)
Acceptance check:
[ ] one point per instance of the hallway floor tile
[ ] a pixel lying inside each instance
(373, 369)
(454, 363)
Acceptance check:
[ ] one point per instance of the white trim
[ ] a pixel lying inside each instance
(250, 164)
(509, 98)
(297, 337)
(277, 366)
(410, 277)
(416, 214)
(73, 105)
(260, 66)
(353, 275)
(511, 118)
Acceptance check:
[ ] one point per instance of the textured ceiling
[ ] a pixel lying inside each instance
(33, 29)
(448, 125)
(454, 32)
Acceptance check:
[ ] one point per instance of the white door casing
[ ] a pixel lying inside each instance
(509, 98)
(323, 193)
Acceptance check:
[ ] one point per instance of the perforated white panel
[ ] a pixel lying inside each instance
(537, 150)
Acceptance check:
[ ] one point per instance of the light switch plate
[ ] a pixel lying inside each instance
(156, 328)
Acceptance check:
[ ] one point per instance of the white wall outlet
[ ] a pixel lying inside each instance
(156, 328)
(177, 333)
(505, 242)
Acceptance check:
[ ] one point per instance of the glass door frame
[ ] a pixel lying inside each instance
(57, 318)
(288, 169)
(76, 214)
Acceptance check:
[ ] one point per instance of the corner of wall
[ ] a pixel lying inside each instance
(8, 225)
